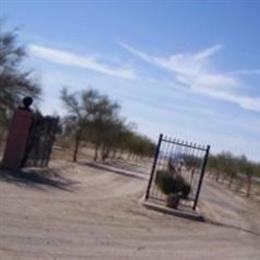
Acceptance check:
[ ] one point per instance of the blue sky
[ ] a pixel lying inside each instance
(187, 69)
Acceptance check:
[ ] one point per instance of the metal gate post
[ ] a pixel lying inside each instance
(154, 166)
(201, 177)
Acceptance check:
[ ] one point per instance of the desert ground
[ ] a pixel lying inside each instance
(93, 211)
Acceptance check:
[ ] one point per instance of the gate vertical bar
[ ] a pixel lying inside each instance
(201, 177)
(154, 166)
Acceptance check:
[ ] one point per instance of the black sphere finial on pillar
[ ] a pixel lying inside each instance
(27, 101)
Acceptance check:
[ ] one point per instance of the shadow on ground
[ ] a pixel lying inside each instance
(224, 225)
(37, 178)
(113, 169)
(129, 166)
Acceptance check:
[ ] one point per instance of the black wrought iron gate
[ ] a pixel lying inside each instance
(188, 159)
(40, 141)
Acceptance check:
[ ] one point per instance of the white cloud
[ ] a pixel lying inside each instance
(249, 103)
(72, 59)
(194, 70)
(208, 52)
(246, 72)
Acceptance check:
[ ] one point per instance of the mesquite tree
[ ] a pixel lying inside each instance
(15, 81)
(80, 107)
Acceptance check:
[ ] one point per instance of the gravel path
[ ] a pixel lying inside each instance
(82, 211)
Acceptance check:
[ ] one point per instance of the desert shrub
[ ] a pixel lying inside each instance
(172, 185)
(164, 181)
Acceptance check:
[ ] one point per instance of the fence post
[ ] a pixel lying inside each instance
(201, 177)
(154, 166)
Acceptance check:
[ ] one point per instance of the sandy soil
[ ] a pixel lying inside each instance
(83, 211)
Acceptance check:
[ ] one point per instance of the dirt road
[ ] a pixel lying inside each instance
(79, 211)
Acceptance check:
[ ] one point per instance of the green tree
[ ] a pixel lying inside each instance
(247, 167)
(15, 82)
(106, 125)
(228, 166)
(80, 107)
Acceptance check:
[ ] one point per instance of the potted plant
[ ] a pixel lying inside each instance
(174, 187)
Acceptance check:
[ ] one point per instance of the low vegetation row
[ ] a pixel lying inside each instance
(235, 171)
(94, 118)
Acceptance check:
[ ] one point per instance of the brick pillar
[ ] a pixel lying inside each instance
(17, 139)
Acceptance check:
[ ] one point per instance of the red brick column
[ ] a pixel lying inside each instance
(17, 139)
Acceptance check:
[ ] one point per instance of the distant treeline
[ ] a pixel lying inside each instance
(225, 166)
(93, 117)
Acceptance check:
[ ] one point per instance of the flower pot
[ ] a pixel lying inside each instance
(173, 201)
